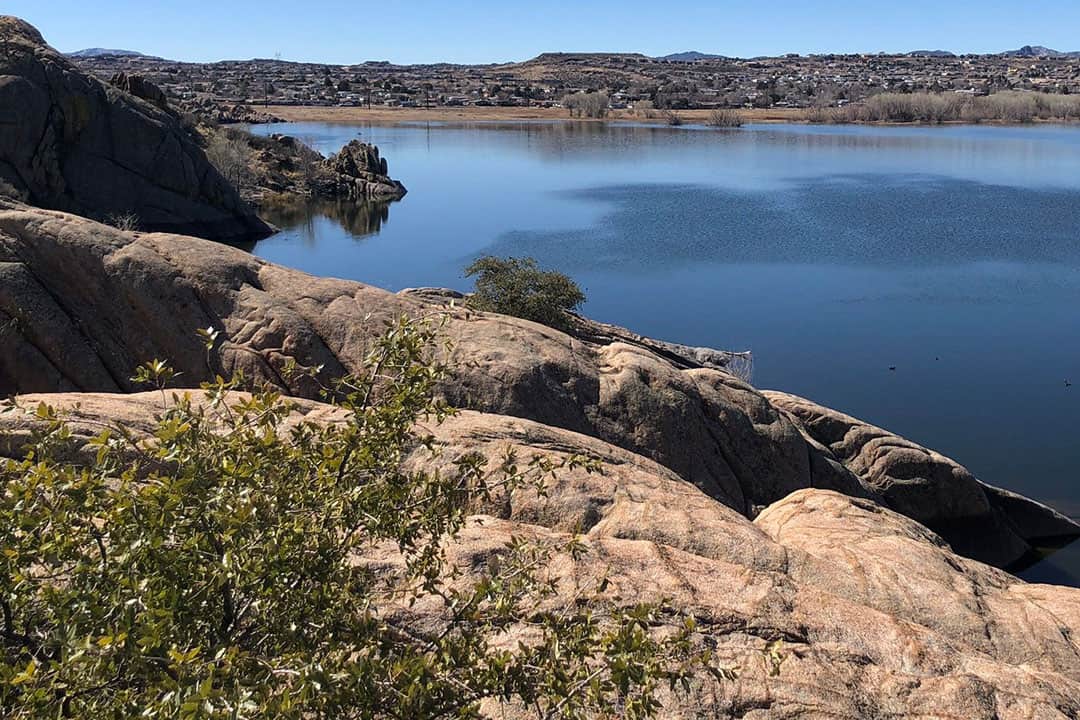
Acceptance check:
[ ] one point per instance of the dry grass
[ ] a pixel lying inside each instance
(933, 108)
(394, 116)
(1014, 107)
(128, 222)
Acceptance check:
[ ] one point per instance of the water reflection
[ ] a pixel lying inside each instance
(899, 221)
(300, 218)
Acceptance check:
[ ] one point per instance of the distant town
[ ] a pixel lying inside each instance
(683, 81)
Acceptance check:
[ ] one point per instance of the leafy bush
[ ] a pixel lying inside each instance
(518, 287)
(216, 569)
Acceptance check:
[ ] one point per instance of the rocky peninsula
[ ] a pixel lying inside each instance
(880, 564)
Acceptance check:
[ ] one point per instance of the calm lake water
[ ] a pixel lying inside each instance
(833, 253)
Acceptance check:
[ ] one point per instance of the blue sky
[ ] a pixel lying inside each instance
(348, 31)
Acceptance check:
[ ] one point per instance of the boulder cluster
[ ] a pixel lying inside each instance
(283, 168)
(360, 174)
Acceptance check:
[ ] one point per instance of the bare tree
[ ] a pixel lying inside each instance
(672, 118)
(587, 104)
(230, 153)
(128, 222)
(723, 118)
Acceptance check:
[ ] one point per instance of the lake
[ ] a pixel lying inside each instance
(951, 254)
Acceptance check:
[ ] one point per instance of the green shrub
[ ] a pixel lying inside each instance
(215, 569)
(518, 287)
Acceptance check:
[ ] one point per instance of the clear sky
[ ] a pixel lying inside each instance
(351, 31)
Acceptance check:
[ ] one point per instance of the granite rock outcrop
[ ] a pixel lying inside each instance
(71, 142)
(877, 616)
(81, 305)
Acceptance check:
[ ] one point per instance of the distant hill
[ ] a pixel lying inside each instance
(691, 56)
(1035, 51)
(578, 56)
(931, 53)
(100, 52)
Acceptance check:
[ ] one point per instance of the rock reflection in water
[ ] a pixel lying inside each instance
(359, 219)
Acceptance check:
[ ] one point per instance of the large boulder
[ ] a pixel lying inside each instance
(878, 617)
(140, 87)
(358, 173)
(71, 142)
(81, 305)
(981, 520)
(284, 171)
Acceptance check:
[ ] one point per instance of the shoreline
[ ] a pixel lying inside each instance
(396, 116)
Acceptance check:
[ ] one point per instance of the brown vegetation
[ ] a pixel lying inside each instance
(594, 105)
(723, 118)
(394, 116)
(1007, 107)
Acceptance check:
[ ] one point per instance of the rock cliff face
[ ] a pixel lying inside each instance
(73, 143)
(140, 87)
(879, 618)
(81, 305)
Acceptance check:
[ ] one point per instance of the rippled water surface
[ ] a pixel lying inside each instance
(951, 254)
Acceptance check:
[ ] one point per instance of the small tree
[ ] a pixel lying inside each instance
(518, 287)
(230, 152)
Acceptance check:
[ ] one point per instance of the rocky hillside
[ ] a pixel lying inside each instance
(74, 143)
(81, 305)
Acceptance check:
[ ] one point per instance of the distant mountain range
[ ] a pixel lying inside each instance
(691, 56)
(1030, 51)
(1040, 51)
(100, 52)
(931, 53)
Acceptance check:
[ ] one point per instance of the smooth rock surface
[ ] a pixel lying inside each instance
(82, 305)
(990, 523)
(878, 617)
(71, 142)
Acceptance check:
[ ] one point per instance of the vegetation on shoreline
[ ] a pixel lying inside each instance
(640, 112)
(932, 108)
(518, 287)
(245, 562)
(594, 105)
(724, 118)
